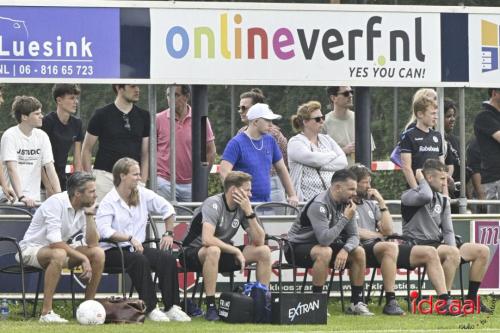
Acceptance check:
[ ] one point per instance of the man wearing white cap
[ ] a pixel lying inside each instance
(254, 151)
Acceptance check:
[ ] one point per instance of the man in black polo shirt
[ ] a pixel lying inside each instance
(64, 129)
(487, 130)
(122, 129)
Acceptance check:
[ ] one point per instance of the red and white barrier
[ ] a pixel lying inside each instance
(376, 166)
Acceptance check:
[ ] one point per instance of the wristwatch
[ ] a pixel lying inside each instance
(168, 233)
(130, 238)
(251, 216)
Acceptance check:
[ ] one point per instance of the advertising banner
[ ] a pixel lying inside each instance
(483, 50)
(59, 42)
(488, 233)
(295, 47)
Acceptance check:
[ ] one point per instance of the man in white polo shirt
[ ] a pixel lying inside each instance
(48, 242)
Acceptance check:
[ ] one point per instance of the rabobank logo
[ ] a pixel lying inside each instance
(489, 46)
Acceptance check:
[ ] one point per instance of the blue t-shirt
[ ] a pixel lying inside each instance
(254, 157)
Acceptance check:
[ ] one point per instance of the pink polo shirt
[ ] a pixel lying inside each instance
(183, 146)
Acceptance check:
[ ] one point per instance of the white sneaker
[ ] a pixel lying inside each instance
(52, 317)
(360, 309)
(157, 315)
(176, 314)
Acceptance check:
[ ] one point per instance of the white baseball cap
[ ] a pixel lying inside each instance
(261, 110)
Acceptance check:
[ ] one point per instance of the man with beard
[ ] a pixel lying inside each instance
(427, 221)
(325, 233)
(374, 224)
(48, 241)
(122, 130)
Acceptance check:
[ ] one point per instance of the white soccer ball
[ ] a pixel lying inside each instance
(91, 313)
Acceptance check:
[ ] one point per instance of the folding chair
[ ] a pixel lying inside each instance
(188, 212)
(459, 240)
(281, 208)
(109, 270)
(409, 269)
(330, 282)
(278, 208)
(12, 232)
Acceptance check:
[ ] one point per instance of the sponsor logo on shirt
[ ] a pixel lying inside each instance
(29, 151)
(419, 139)
(428, 148)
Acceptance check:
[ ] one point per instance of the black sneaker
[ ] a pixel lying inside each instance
(484, 308)
(212, 314)
(393, 309)
(192, 309)
(446, 309)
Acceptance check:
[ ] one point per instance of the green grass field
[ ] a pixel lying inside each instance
(337, 322)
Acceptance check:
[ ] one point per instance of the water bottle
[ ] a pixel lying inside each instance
(4, 309)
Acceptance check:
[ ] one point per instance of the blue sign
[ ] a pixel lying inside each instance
(59, 42)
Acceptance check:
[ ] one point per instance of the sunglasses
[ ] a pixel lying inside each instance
(318, 119)
(242, 109)
(346, 93)
(127, 123)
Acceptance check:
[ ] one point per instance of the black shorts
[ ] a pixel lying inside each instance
(435, 244)
(303, 253)
(371, 258)
(227, 262)
(403, 256)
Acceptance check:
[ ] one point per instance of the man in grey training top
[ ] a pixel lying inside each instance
(325, 233)
(208, 247)
(427, 221)
(374, 225)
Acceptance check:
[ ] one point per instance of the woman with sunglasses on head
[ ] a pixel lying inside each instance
(247, 99)
(313, 157)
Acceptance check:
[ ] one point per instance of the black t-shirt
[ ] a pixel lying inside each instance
(453, 155)
(473, 157)
(421, 146)
(62, 138)
(486, 124)
(117, 137)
